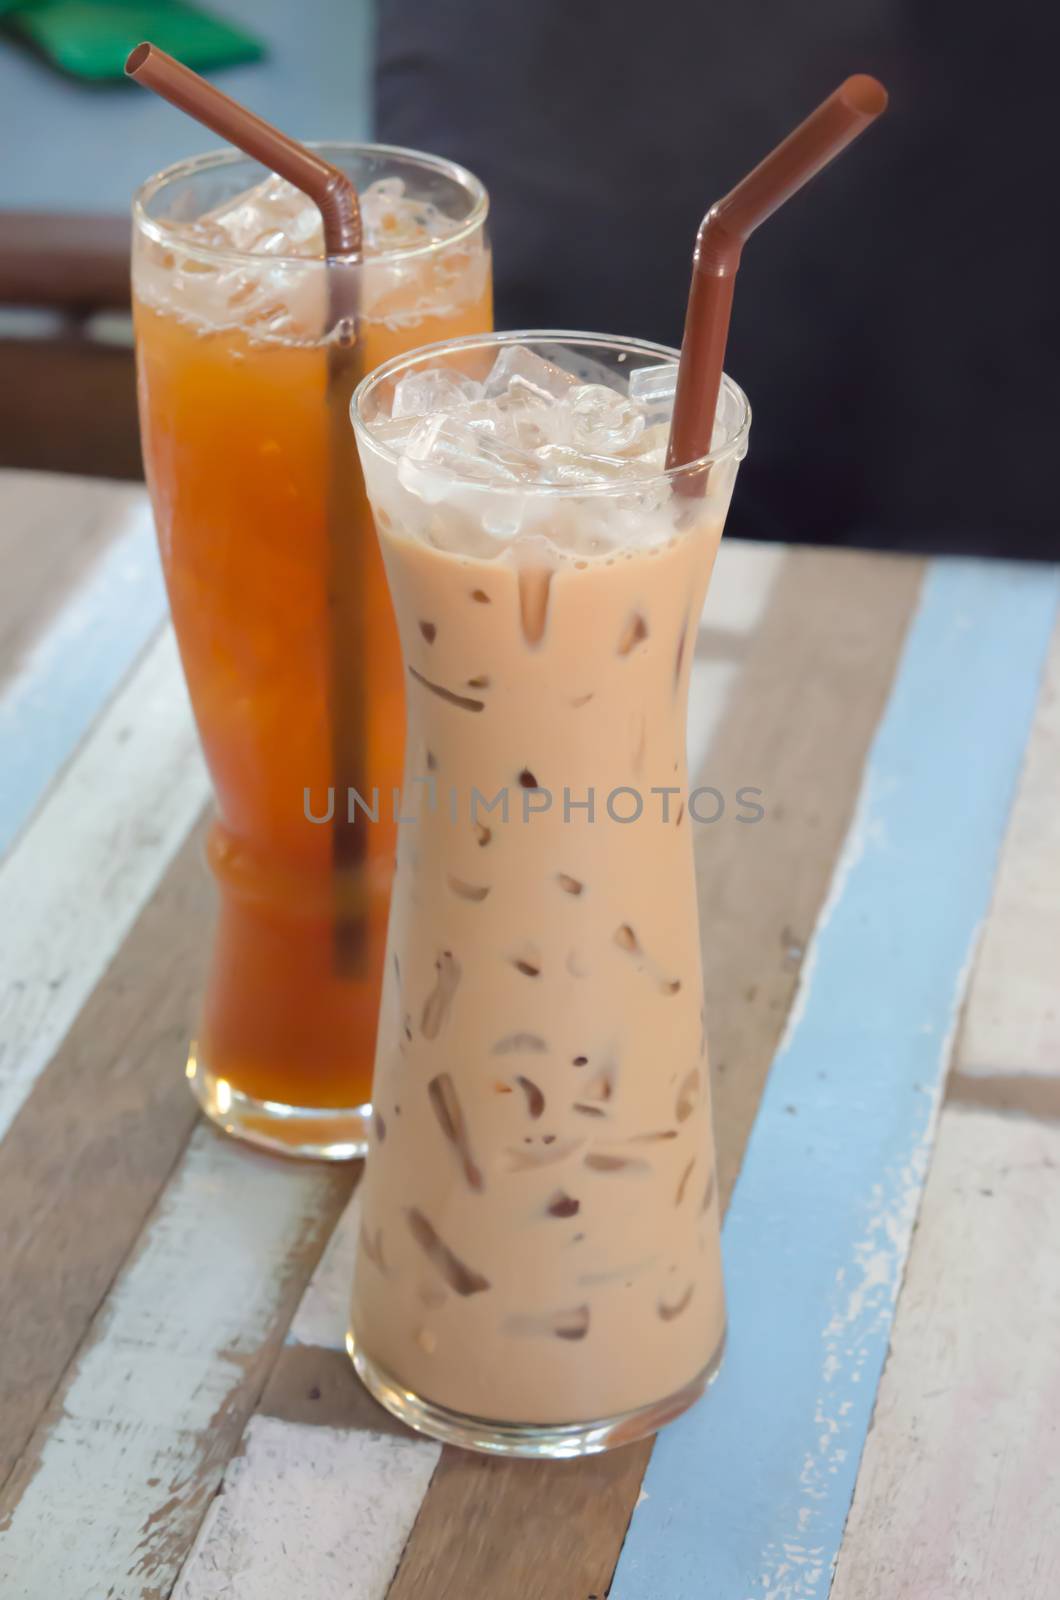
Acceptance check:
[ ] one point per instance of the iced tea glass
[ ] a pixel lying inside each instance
(538, 1268)
(233, 332)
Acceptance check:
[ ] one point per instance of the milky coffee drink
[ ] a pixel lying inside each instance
(538, 1267)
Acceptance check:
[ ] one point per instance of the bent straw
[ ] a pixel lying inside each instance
(330, 190)
(336, 199)
(722, 235)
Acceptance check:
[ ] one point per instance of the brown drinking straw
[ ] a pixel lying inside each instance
(721, 238)
(336, 199)
(328, 188)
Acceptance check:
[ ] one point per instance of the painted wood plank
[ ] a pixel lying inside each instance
(1012, 1023)
(539, 1530)
(90, 859)
(740, 589)
(53, 529)
(811, 691)
(959, 1484)
(325, 1492)
(71, 671)
(753, 1487)
(820, 661)
(742, 585)
(314, 1511)
(322, 1316)
(123, 1466)
(316, 1386)
(959, 1488)
(95, 1142)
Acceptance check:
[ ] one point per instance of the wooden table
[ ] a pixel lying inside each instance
(882, 954)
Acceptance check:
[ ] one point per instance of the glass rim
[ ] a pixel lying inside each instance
(731, 445)
(228, 155)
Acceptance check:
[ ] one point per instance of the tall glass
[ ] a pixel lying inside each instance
(233, 352)
(538, 1270)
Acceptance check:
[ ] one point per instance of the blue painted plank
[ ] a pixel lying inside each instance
(746, 1497)
(74, 669)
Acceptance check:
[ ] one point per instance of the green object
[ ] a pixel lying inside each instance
(91, 40)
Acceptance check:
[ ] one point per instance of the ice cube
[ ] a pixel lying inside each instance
(519, 418)
(533, 373)
(461, 534)
(394, 431)
(484, 417)
(528, 431)
(382, 205)
(654, 387)
(384, 190)
(530, 419)
(274, 219)
(503, 515)
(650, 448)
(604, 421)
(393, 220)
(446, 442)
(567, 465)
(427, 393)
(417, 478)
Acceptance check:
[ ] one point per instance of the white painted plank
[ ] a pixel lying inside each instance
(307, 1509)
(959, 1488)
(71, 670)
(708, 692)
(323, 1314)
(53, 527)
(132, 1461)
(740, 588)
(1012, 1024)
(314, 1512)
(91, 857)
(741, 584)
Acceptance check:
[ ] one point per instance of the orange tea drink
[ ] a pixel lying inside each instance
(292, 665)
(538, 1268)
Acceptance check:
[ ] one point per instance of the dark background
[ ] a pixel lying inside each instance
(894, 325)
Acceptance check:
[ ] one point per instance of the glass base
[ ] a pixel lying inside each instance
(311, 1133)
(554, 1441)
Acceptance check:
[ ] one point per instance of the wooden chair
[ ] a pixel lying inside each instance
(67, 396)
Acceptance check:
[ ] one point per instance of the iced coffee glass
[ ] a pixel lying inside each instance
(293, 666)
(538, 1267)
